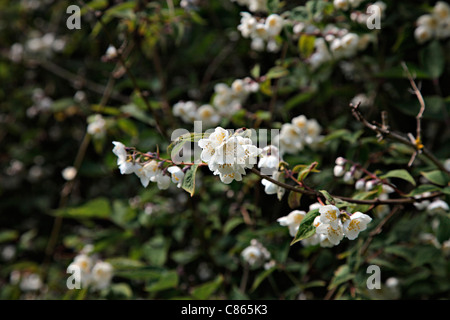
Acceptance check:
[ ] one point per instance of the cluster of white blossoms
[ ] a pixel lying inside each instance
(334, 224)
(350, 175)
(96, 126)
(37, 44)
(149, 171)
(434, 25)
(337, 44)
(253, 5)
(228, 155)
(295, 135)
(227, 100)
(431, 206)
(256, 255)
(268, 163)
(93, 272)
(262, 31)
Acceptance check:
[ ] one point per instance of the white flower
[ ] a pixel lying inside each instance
(207, 115)
(270, 158)
(255, 254)
(162, 180)
(273, 24)
(111, 52)
(96, 126)
(437, 205)
(272, 188)
(252, 255)
(338, 171)
(228, 156)
(423, 33)
(329, 214)
(292, 221)
(360, 184)
(126, 165)
(358, 222)
(69, 173)
(247, 24)
(147, 172)
(31, 282)
(84, 263)
(187, 111)
(333, 233)
(177, 175)
(422, 205)
(441, 10)
(427, 20)
(102, 273)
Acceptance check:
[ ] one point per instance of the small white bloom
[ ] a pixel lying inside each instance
(341, 4)
(330, 214)
(96, 126)
(69, 173)
(338, 171)
(31, 282)
(274, 23)
(334, 233)
(292, 221)
(423, 33)
(177, 175)
(162, 180)
(102, 273)
(360, 184)
(207, 115)
(358, 222)
(437, 205)
(441, 10)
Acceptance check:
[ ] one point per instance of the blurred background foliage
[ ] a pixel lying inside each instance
(166, 244)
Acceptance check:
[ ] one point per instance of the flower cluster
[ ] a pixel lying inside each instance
(228, 155)
(227, 100)
(337, 44)
(148, 171)
(256, 255)
(433, 25)
(262, 32)
(37, 45)
(299, 132)
(93, 272)
(428, 205)
(335, 224)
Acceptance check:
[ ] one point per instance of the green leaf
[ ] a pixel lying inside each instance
(433, 59)
(175, 147)
(306, 45)
(167, 280)
(328, 197)
(401, 174)
(155, 250)
(277, 72)
(261, 277)
(95, 209)
(307, 170)
(443, 231)
(8, 235)
(205, 290)
(127, 126)
(294, 199)
(422, 189)
(306, 228)
(437, 177)
(189, 180)
(123, 263)
(341, 275)
(121, 291)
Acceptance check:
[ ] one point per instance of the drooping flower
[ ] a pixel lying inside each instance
(255, 254)
(177, 175)
(292, 221)
(358, 222)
